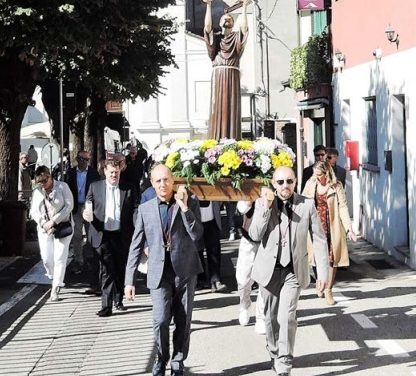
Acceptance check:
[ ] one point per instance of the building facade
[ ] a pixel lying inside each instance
(374, 97)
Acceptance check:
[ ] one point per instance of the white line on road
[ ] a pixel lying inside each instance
(393, 348)
(16, 298)
(363, 321)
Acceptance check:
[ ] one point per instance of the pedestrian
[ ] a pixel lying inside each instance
(319, 151)
(109, 208)
(52, 204)
(170, 224)
(210, 243)
(246, 254)
(225, 50)
(79, 179)
(281, 221)
(332, 155)
(134, 169)
(32, 158)
(331, 204)
(24, 185)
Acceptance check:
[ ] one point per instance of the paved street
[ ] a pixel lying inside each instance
(370, 331)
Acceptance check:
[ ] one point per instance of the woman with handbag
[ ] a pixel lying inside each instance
(331, 205)
(52, 204)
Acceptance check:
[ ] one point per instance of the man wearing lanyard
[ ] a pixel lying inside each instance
(79, 180)
(110, 206)
(170, 225)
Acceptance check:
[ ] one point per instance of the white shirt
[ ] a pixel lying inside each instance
(207, 213)
(112, 208)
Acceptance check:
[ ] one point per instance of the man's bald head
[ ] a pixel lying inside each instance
(162, 181)
(284, 182)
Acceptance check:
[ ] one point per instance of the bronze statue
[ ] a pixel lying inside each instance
(225, 49)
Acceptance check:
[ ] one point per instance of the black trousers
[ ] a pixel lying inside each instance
(113, 260)
(213, 249)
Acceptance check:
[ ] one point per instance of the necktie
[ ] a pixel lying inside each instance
(285, 236)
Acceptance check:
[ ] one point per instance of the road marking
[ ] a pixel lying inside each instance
(16, 298)
(393, 348)
(363, 321)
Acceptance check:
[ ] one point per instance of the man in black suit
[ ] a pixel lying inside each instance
(319, 151)
(110, 208)
(340, 172)
(79, 180)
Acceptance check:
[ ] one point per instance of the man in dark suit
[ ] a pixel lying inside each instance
(79, 179)
(319, 151)
(170, 225)
(110, 208)
(332, 157)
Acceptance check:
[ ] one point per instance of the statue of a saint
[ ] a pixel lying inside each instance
(225, 49)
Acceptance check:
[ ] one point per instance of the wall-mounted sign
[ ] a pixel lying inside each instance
(311, 5)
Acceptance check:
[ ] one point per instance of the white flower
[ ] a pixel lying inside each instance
(264, 163)
(69, 8)
(160, 153)
(186, 163)
(264, 146)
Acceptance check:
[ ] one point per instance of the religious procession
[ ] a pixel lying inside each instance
(204, 188)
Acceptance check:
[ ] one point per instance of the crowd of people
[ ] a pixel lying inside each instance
(115, 218)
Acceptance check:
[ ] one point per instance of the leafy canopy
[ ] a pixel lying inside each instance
(115, 47)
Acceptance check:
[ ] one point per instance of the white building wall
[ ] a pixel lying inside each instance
(379, 201)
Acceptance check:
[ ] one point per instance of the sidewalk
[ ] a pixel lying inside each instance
(67, 338)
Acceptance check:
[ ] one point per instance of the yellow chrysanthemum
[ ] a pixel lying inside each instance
(171, 159)
(208, 144)
(225, 171)
(245, 144)
(230, 160)
(282, 159)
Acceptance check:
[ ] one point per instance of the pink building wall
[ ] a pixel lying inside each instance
(358, 27)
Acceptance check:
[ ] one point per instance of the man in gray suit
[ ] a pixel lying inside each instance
(170, 224)
(281, 267)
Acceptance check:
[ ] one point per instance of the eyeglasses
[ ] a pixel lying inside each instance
(319, 154)
(288, 181)
(82, 159)
(43, 181)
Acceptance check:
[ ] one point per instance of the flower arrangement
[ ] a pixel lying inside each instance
(227, 158)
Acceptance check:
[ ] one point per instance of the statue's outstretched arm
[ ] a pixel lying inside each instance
(244, 23)
(208, 16)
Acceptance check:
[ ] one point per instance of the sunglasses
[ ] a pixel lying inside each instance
(329, 157)
(43, 181)
(81, 159)
(288, 181)
(319, 154)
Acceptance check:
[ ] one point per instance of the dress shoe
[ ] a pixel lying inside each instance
(329, 297)
(120, 307)
(91, 291)
(104, 312)
(218, 287)
(55, 294)
(177, 373)
(159, 368)
(283, 374)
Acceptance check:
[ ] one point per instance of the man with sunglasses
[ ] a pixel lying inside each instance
(319, 151)
(281, 222)
(79, 179)
(340, 172)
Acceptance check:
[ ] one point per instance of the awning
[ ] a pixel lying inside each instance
(37, 130)
(313, 104)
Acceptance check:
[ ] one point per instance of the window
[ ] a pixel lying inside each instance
(371, 109)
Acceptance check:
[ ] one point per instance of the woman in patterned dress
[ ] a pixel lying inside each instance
(331, 204)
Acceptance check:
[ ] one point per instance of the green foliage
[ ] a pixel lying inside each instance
(118, 48)
(310, 63)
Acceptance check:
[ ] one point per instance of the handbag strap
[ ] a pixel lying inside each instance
(46, 210)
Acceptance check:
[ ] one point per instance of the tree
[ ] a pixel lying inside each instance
(114, 48)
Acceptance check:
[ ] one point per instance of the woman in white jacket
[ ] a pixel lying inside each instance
(52, 203)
